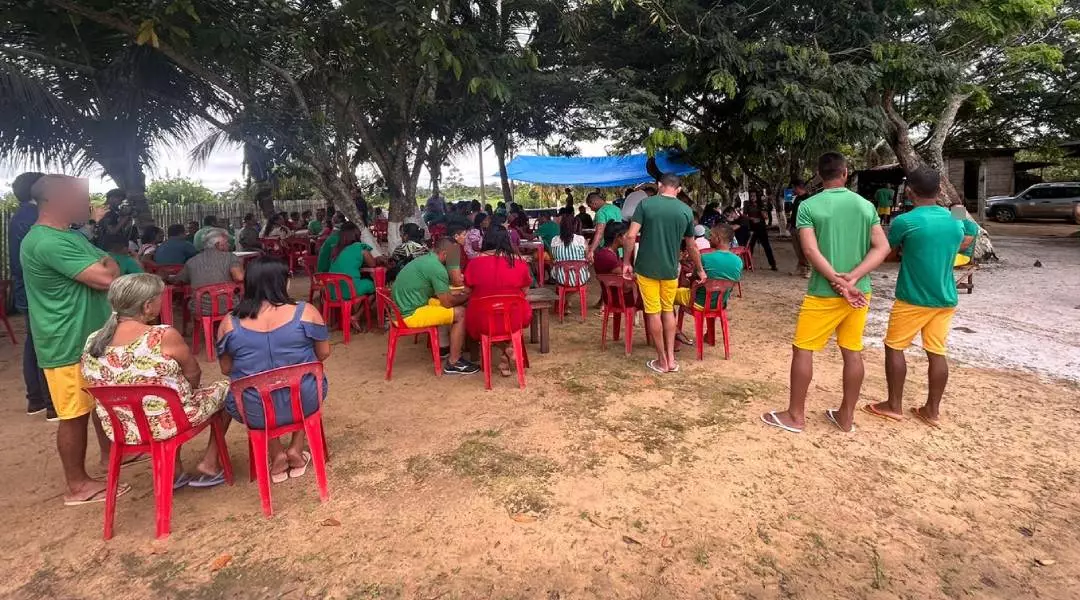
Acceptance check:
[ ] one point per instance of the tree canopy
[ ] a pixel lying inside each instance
(320, 91)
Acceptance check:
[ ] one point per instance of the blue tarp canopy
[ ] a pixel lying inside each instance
(599, 171)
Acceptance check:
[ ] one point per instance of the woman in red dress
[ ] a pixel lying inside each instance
(497, 271)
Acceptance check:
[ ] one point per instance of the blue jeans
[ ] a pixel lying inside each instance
(37, 391)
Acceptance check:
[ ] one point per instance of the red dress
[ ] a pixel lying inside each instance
(493, 276)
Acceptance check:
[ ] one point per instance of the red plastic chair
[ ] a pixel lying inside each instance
(264, 383)
(616, 305)
(499, 310)
(298, 248)
(713, 309)
(582, 289)
(205, 323)
(332, 286)
(162, 453)
(378, 275)
(748, 264)
(381, 230)
(5, 285)
(398, 328)
(274, 247)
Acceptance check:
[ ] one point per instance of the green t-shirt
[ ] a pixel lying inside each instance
(323, 264)
(421, 280)
(547, 232)
(664, 223)
(349, 262)
(883, 198)
(841, 220)
(315, 227)
(608, 213)
(63, 312)
(128, 265)
(970, 228)
(720, 264)
(929, 238)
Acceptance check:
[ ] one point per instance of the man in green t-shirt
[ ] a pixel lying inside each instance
(883, 199)
(117, 247)
(719, 263)
(971, 234)
(664, 223)
(605, 213)
(546, 230)
(315, 225)
(66, 278)
(842, 239)
(927, 239)
(422, 294)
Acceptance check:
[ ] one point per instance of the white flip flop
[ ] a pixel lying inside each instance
(652, 366)
(830, 414)
(774, 421)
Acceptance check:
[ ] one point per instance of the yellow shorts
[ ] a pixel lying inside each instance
(682, 298)
(961, 260)
(883, 210)
(432, 315)
(820, 316)
(66, 388)
(657, 295)
(906, 320)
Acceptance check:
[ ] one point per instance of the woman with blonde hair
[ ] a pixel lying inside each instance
(128, 350)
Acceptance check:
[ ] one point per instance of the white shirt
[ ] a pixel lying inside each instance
(631, 202)
(702, 243)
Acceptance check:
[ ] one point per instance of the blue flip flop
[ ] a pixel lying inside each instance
(181, 481)
(207, 481)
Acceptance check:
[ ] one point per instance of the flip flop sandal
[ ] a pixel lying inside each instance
(674, 369)
(652, 366)
(99, 496)
(281, 477)
(870, 410)
(772, 420)
(207, 481)
(920, 417)
(295, 472)
(831, 415)
(181, 480)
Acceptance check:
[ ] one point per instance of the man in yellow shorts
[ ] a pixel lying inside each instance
(66, 278)
(971, 233)
(664, 223)
(928, 238)
(843, 240)
(422, 293)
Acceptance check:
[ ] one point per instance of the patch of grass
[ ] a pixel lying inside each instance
(527, 499)
(763, 533)
(487, 433)
(701, 557)
(41, 584)
(420, 467)
(639, 525)
(485, 461)
(373, 591)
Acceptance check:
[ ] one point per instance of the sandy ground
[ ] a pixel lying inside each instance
(600, 480)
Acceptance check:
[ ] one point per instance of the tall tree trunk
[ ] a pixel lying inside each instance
(264, 198)
(500, 154)
(128, 175)
(435, 160)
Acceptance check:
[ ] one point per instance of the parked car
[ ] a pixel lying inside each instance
(1040, 201)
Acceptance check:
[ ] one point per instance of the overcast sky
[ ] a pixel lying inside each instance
(225, 167)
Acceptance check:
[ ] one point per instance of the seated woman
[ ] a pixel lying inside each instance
(496, 271)
(347, 258)
(276, 228)
(720, 264)
(606, 259)
(474, 238)
(129, 350)
(499, 221)
(568, 250)
(265, 331)
(412, 246)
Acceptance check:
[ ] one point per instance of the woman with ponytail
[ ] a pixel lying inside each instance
(128, 350)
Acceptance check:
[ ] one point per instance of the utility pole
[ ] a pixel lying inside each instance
(481, 148)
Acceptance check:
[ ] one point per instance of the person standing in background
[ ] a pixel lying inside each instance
(37, 392)
(883, 199)
(66, 278)
(799, 189)
(759, 231)
(606, 214)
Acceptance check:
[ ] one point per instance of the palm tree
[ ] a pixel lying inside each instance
(77, 95)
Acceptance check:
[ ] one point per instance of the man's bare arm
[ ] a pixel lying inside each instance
(695, 256)
(100, 274)
(597, 237)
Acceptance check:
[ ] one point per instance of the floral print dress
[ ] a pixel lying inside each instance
(141, 362)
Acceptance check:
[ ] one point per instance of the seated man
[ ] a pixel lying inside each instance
(249, 235)
(117, 247)
(546, 230)
(719, 264)
(971, 234)
(176, 250)
(422, 293)
(214, 264)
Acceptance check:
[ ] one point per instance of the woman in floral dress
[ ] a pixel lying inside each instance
(128, 350)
